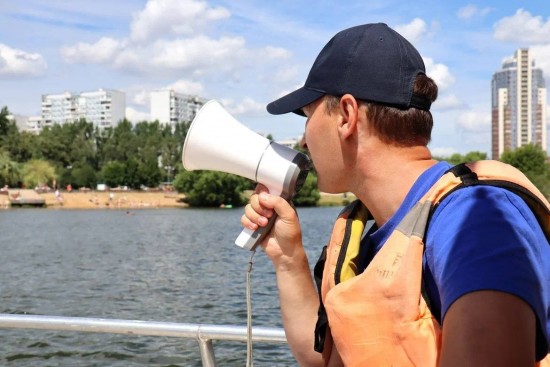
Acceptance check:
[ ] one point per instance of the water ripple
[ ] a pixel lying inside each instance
(157, 265)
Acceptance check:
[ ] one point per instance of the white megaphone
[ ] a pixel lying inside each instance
(216, 141)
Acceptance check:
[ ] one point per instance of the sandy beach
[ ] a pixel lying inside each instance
(131, 199)
(107, 200)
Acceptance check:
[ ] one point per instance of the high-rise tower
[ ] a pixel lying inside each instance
(518, 104)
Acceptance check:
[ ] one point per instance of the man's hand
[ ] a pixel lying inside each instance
(280, 244)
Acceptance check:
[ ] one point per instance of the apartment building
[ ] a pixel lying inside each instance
(170, 107)
(519, 104)
(104, 108)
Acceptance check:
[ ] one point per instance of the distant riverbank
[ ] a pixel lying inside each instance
(136, 200)
(108, 200)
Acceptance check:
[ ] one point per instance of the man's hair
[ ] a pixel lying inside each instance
(395, 126)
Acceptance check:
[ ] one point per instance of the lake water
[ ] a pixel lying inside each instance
(173, 265)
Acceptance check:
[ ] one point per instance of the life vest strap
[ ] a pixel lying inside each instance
(322, 319)
(486, 173)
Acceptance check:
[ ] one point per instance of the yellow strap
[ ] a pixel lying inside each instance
(350, 266)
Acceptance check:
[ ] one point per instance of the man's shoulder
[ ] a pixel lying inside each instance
(475, 200)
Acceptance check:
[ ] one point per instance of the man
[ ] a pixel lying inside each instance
(485, 268)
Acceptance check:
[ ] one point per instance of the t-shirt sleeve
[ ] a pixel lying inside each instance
(487, 238)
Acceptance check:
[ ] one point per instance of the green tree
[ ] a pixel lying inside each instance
(475, 156)
(147, 153)
(21, 146)
(101, 139)
(149, 139)
(82, 150)
(309, 193)
(53, 144)
(10, 172)
(211, 188)
(121, 143)
(83, 175)
(531, 159)
(178, 138)
(7, 125)
(113, 173)
(65, 176)
(38, 172)
(185, 179)
(458, 158)
(150, 174)
(132, 176)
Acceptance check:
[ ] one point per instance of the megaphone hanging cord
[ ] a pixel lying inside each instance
(249, 359)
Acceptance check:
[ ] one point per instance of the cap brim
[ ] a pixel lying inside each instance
(293, 102)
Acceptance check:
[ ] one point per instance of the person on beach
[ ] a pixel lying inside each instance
(454, 269)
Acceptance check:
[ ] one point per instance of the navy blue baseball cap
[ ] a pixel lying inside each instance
(372, 62)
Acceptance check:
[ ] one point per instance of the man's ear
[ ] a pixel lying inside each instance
(349, 113)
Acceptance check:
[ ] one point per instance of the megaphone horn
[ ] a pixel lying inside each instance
(216, 141)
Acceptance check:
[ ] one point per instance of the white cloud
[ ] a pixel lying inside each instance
(102, 51)
(135, 116)
(142, 98)
(166, 41)
(198, 56)
(285, 74)
(440, 73)
(276, 52)
(412, 31)
(186, 87)
(473, 121)
(541, 55)
(247, 106)
(173, 17)
(198, 53)
(522, 27)
(448, 102)
(467, 12)
(288, 90)
(19, 63)
(470, 11)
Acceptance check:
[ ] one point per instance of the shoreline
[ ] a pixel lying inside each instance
(107, 200)
(135, 200)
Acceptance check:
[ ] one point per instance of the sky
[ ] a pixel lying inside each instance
(247, 53)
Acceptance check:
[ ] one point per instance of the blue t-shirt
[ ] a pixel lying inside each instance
(479, 238)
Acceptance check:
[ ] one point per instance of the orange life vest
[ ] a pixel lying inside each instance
(379, 317)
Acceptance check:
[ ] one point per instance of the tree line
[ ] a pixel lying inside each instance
(144, 155)
(81, 155)
(147, 154)
(531, 159)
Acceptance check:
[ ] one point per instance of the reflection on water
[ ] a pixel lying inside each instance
(158, 265)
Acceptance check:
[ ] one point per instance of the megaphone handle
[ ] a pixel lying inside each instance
(249, 239)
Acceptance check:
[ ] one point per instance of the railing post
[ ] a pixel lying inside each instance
(207, 352)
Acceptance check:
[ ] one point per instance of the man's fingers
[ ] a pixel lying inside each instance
(247, 223)
(258, 207)
(255, 214)
(282, 207)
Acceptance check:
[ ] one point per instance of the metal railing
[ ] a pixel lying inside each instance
(202, 333)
